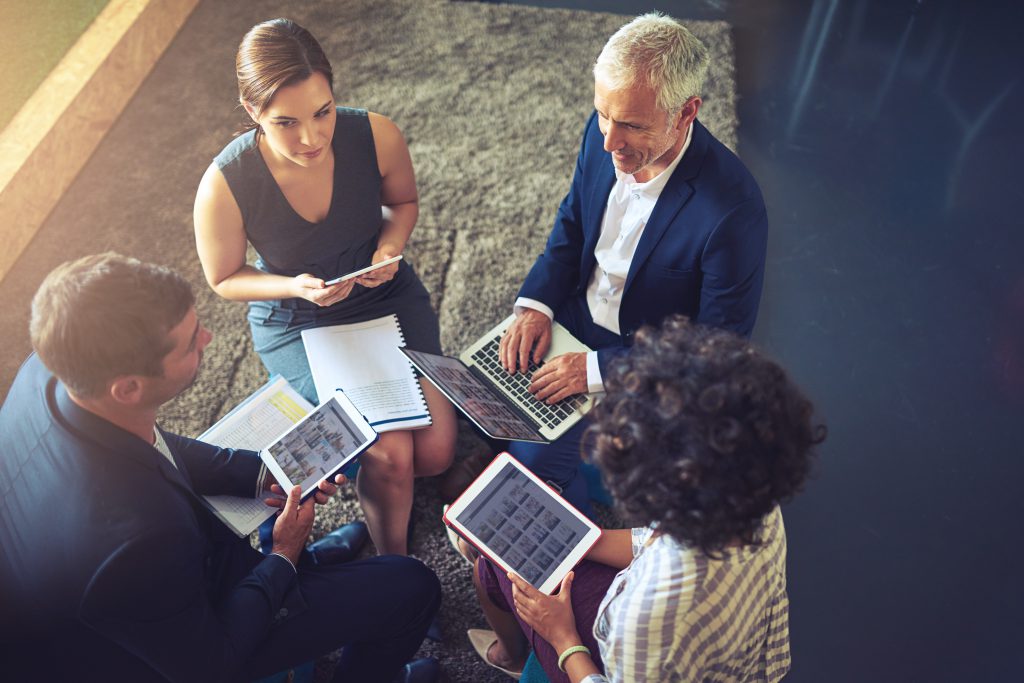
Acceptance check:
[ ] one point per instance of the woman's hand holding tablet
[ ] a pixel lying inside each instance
(363, 271)
(521, 524)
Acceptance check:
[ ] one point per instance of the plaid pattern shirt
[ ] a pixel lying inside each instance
(676, 615)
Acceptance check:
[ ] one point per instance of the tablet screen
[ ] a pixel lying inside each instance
(521, 522)
(321, 444)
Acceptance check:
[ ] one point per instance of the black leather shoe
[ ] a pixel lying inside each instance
(425, 670)
(341, 545)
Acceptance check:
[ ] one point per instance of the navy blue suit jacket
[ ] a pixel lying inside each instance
(701, 253)
(110, 560)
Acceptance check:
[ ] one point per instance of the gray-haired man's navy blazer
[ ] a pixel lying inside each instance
(701, 254)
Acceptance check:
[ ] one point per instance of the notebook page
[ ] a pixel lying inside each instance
(363, 360)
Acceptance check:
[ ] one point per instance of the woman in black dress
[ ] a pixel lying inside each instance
(319, 191)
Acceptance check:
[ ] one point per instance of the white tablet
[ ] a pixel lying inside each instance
(521, 524)
(319, 445)
(361, 271)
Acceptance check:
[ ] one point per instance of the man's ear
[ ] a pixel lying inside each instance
(126, 390)
(689, 112)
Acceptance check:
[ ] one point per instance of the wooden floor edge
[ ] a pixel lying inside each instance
(89, 88)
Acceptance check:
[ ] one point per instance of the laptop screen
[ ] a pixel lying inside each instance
(473, 396)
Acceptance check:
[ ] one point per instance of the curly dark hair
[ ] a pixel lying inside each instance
(702, 434)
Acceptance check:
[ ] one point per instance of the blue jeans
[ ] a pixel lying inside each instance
(558, 463)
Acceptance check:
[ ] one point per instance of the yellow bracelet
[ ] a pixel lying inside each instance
(569, 652)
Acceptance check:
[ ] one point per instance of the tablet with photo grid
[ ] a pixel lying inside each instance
(319, 445)
(521, 524)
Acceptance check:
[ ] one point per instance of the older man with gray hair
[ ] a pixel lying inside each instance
(661, 218)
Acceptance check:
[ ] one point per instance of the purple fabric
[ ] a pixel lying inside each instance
(588, 589)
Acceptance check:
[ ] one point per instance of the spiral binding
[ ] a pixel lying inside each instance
(415, 372)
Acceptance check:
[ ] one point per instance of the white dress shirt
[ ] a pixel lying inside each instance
(625, 216)
(161, 446)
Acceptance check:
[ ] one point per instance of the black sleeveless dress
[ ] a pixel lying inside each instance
(287, 244)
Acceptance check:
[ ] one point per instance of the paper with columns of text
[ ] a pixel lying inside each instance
(253, 425)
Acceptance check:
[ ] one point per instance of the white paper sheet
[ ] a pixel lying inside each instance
(254, 424)
(363, 360)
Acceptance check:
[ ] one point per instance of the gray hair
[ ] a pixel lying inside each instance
(656, 51)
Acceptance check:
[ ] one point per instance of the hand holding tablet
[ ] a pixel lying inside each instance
(319, 446)
(521, 524)
(363, 271)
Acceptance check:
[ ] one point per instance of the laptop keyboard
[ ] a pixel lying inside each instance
(518, 385)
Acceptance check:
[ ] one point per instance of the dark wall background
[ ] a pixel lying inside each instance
(886, 138)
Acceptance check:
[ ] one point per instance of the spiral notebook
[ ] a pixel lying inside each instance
(363, 360)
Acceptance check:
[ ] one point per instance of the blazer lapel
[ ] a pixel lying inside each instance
(596, 203)
(677, 192)
(176, 471)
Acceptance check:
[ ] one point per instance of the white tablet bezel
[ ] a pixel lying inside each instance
(450, 518)
(366, 432)
(363, 271)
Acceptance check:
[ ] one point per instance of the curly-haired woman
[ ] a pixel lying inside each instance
(699, 438)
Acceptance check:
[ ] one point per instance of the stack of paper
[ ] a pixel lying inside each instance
(363, 360)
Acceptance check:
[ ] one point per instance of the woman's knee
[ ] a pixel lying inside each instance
(434, 450)
(432, 462)
(389, 462)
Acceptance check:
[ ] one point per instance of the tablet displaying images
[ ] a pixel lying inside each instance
(521, 524)
(320, 445)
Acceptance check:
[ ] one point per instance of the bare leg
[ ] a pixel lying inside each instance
(434, 447)
(384, 485)
(511, 650)
(468, 551)
(385, 479)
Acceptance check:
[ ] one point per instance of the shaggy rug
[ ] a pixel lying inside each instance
(492, 100)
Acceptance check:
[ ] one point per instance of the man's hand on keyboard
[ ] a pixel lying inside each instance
(560, 377)
(531, 330)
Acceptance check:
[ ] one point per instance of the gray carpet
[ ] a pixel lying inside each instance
(492, 100)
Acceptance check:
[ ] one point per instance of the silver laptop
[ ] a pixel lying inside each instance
(498, 403)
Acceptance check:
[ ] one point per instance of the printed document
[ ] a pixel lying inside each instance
(363, 360)
(253, 425)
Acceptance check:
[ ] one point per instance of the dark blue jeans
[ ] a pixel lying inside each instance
(558, 463)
